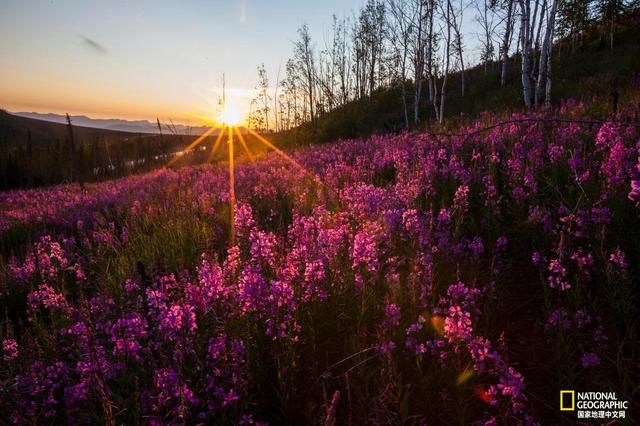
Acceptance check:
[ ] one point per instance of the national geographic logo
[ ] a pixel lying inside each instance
(593, 405)
(567, 400)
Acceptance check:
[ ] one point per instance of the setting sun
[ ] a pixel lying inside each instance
(230, 115)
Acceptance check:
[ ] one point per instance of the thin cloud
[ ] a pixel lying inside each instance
(93, 45)
(243, 11)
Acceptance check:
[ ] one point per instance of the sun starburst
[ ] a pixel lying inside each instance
(230, 121)
(230, 115)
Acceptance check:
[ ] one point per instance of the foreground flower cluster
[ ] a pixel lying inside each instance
(402, 279)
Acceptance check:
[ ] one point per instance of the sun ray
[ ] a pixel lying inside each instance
(277, 150)
(215, 145)
(244, 144)
(198, 140)
(232, 190)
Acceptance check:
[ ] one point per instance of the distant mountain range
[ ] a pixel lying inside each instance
(133, 126)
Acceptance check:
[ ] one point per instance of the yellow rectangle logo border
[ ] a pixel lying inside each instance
(573, 400)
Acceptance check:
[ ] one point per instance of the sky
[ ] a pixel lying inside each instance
(144, 59)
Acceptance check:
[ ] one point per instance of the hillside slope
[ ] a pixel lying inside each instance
(40, 153)
(585, 70)
(15, 131)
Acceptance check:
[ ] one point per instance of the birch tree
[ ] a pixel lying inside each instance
(369, 38)
(454, 21)
(418, 56)
(525, 50)
(263, 99)
(544, 70)
(446, 14)
(290, 86)
(485, 19)
(359, 59)
(432, 41)
(506, 40)
(400, 23)
(343, 65)
(305, 62)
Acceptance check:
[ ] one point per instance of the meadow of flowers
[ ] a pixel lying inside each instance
(404, 279)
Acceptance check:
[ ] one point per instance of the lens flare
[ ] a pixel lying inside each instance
(464, 376)
(230, 115)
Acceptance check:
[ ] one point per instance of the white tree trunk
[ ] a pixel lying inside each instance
(547, 98)
(446, 67)
(545, 56)
(419, 63)
(525, 42)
